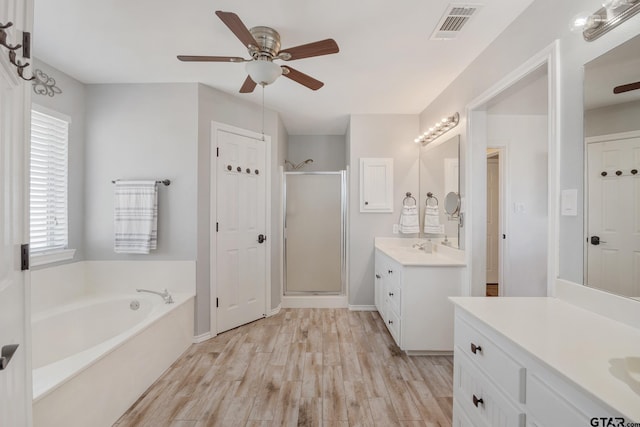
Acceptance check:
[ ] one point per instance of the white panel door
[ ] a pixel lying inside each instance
(613, 262)
(493, 218)
(241, 220)
(15, 378)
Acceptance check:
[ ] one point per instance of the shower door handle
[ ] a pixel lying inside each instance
(261, 238)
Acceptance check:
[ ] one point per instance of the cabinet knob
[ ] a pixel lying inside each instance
(366, 203)
(475, 348)
(390, 294)
(391, 322)
(477, 401)
(378, 276)
(618, 173)
(634, 171)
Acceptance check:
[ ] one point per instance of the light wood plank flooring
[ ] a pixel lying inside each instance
(304, 367)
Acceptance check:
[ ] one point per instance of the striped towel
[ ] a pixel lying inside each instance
(432, 221)
(135, 217)
(409, 220)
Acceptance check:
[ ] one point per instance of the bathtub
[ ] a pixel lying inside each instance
(92, 358)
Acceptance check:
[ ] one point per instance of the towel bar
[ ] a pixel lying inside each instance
(164, 181)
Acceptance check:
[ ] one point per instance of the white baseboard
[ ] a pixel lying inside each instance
(362, 307)
(275, 311)
(315, 301)
(202, 337)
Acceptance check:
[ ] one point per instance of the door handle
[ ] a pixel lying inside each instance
(595, 240)
(261, 238)
(7, 353)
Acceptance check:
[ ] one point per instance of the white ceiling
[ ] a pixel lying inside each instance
(617, 67)
(386, 65)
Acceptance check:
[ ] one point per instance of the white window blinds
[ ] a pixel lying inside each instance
(48, 185)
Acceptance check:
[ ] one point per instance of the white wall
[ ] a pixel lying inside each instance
(72, 103)
(142, 131)
(524, 38)
(377, 136)
(217, 106)
(525, 140)
(612, 119)
(327, 151)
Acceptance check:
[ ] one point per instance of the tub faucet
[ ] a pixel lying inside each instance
(166, 296)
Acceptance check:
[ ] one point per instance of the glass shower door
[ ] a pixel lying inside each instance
(314, 232)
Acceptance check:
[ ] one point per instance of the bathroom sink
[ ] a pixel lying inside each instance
(411, 250)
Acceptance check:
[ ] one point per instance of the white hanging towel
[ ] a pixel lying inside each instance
(432, 221)
(409, 222)
(135, 217)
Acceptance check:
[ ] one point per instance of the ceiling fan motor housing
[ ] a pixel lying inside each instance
(268, 40)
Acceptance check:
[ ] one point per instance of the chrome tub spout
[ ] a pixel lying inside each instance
(166, 296)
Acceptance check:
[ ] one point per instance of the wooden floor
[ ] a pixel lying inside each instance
(304, 367)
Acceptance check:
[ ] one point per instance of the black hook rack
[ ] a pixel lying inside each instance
(26, 50)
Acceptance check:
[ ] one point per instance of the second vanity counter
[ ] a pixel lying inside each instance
(411, 291)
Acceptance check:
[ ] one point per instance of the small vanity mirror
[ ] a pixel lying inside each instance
(439, 177)
(452, 204)
(612, 162)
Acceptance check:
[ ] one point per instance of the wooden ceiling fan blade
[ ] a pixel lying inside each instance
(626, 88)
(237, 27)
(196, 58)
(248, 86)
(319, 48)
(302, 78)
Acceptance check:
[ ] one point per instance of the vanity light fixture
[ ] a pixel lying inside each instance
(438, 129)
(610, 15)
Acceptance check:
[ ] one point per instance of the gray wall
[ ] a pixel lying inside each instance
(524, 38)
(217, 106)
(72, 103)
(142, 131)
(612, 119)
(327, 151)
(377, 136)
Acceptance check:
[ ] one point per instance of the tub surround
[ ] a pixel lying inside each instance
(590, 361)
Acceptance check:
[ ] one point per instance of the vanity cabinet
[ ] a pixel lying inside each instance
(497, 383)
(413, 303)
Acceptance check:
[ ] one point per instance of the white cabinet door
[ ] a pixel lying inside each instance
(376, 185)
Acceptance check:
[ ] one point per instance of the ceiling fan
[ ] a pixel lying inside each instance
(263, 44)
(626, 88)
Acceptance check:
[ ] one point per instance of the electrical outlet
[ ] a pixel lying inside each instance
(396, 229)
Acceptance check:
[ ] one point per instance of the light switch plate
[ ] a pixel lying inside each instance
(396, 229)
(569, 202)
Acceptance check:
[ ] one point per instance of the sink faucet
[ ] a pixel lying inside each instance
(166, 296)
(420, 246)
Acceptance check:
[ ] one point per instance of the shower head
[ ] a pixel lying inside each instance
(308, 161)
(299, 165)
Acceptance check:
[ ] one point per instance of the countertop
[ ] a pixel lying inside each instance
(401, 250)
(598, 354)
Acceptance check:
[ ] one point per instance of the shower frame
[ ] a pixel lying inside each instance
(343, 234)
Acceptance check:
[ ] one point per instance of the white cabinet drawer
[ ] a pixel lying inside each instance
(392, 292)
(460, 417)
(508, 374)
(480, 399)
(393, 324)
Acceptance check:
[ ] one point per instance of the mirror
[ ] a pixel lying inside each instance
(440, 176)
(452, 204)
(612, 162)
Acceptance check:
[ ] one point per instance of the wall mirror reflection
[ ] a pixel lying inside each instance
(612, 157)
(439, 175)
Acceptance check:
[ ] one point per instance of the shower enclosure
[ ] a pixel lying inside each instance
(314, 233)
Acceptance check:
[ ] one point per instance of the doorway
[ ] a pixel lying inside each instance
(494, 239)
(240, 243)
(314, 233)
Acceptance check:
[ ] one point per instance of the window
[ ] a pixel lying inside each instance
(48, 186)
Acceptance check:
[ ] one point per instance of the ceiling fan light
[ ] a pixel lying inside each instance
(263, 72)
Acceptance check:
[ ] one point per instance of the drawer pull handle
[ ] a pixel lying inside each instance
(390, 294)
(477, 402)
(475, 348)
(378, 276)
(391, 322)
(390, 271)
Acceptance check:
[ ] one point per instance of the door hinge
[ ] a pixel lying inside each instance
(24, 257)
(216, 302)
(217, 151)
(216, 227)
